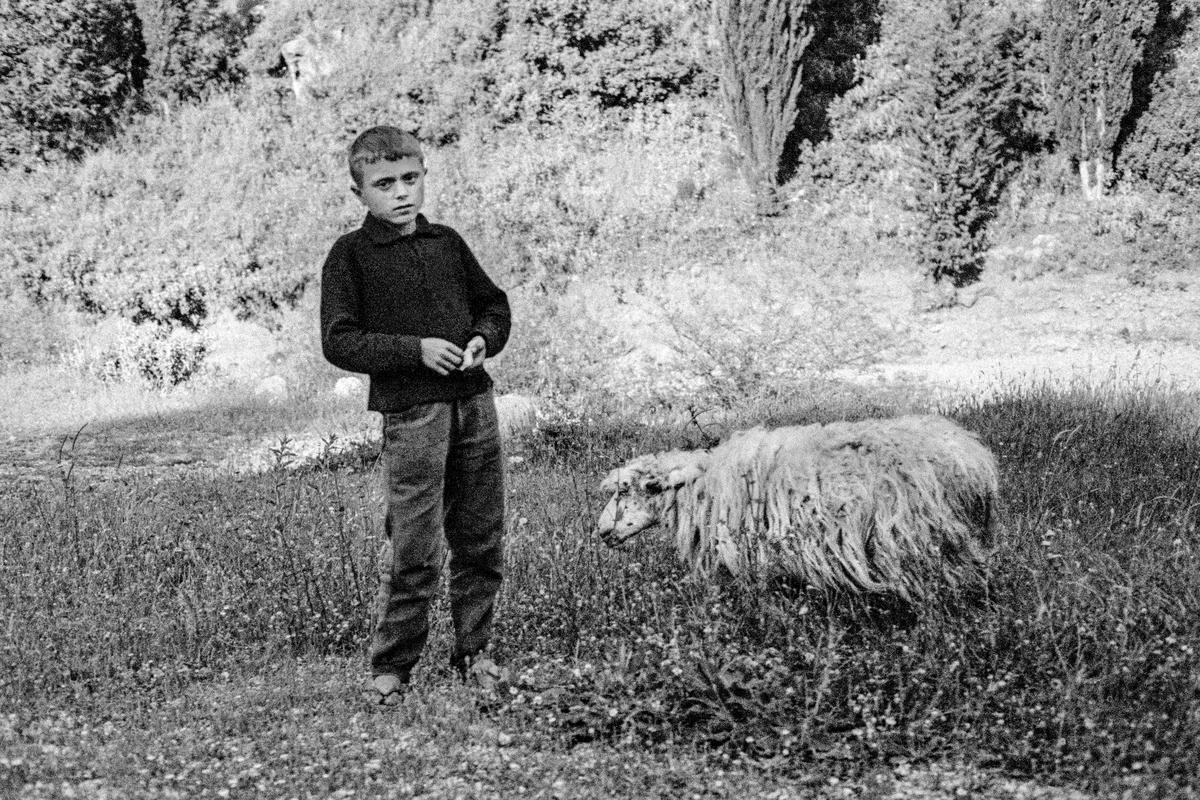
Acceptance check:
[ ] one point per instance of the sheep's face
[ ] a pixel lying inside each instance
(636, 491)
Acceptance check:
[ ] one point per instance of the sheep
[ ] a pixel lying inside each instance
(899, 507)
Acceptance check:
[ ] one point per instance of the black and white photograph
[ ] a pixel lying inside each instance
(599, 399)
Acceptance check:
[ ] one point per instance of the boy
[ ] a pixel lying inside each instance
(405, 302)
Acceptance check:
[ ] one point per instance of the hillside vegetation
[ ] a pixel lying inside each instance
(575, 145)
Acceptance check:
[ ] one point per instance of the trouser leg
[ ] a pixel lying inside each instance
(415, 451)
(474, 499)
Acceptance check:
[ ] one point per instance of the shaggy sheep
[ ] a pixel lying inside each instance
(898, 507)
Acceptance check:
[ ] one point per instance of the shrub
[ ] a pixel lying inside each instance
(190, 47)
(279, 22)
(67, 71)
(209, 208)
(842, 32)
(465, 66)
(869, 122)
(615, 55)
(158, 355)
(1161, 149)
(959, 96)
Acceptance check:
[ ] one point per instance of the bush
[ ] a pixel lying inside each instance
(67, 72)
(762, 42)
(209, 208)
(467, 66)
(160, 356)
(959, 95)
(1093, 48)
(949, 103)
(842, 32)
(615, 55)
(1161, 150)
(190, 47)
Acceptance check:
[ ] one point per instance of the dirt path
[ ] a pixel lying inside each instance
(1056, 328)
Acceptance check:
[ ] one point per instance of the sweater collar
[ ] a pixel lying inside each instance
(383, 232)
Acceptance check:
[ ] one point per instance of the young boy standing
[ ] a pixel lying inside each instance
(405, 302)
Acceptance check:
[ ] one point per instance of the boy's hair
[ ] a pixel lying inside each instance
(382, 143)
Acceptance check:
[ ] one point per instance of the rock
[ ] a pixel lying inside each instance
(349, 388)
(311, 58)
(274, 388)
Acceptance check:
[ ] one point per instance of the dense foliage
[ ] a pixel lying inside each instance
(230, 203)
(1159, 148)
(958, 123)
(190, 47)
(1093, 48)
(67, 73)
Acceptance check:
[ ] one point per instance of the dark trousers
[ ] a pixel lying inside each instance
(445, 485)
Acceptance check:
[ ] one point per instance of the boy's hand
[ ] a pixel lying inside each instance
(440, 356)
(475, 353)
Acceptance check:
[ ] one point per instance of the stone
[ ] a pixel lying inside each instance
(349, 388)
(274, 388)
(311, 58)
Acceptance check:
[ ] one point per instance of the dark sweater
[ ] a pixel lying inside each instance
(383, 291)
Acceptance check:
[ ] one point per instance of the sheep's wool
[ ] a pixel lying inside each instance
(899, 506)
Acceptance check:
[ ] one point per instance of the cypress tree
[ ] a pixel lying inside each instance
(761, 44)
(961, 97)
(1093, 48)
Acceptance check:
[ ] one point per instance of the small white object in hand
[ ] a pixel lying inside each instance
(466, 362)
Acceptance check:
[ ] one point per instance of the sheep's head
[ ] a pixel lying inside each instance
(641, 490)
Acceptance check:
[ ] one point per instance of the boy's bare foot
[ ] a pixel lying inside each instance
(385, 690)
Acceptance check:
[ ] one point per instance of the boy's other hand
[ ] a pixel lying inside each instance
(440, 355)
(475, 353)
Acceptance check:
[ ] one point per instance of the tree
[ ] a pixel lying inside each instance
(66, 72)
(190, 45)
(1094, 47)
(761, 43)
(961, 101)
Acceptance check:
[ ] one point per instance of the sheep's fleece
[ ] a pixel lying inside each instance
(902, 506)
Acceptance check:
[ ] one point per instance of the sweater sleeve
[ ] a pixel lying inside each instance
(344, 341)
(491, 317)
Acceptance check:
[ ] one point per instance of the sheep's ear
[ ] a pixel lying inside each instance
(652, 484)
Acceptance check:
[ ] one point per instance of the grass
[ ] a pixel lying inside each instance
(163, 635)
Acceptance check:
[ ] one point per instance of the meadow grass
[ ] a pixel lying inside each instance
(172, 632)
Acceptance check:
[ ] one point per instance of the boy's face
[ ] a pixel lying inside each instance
(393, 190)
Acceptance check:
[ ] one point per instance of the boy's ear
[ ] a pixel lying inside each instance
(357, 191)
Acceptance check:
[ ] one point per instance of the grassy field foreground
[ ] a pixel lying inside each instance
(200, 636)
